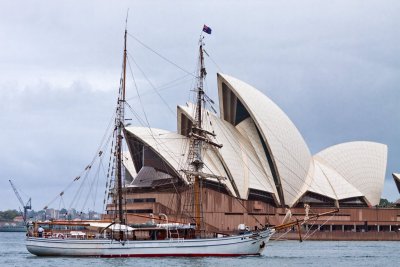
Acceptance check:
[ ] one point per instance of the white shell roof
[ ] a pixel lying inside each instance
(289, 150)
(328, 182)
(354, 169)
(248, 129)
(237, 154)
(170, 146)
(362, 164)
(173, 148)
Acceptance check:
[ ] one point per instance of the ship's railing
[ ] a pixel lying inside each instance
(68, 235)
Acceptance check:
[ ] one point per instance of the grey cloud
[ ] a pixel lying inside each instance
(333, 67)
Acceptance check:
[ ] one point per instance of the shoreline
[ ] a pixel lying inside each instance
(340, 236)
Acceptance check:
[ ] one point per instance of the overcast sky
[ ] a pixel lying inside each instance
(332, 66)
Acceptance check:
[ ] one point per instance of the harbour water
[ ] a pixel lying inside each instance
(277, 253)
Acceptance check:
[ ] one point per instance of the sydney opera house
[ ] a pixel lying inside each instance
(266, 164)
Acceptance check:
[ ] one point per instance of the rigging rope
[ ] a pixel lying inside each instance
(282, 235)
(151, 84)
(212, 60)
(306, 237)
(85, 172)
(168, 85)
(137, 91)
(161, 56)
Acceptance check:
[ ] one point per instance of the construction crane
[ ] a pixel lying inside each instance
(26, 206)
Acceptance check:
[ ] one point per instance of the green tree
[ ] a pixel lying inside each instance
(9, 215)
(384, 203)
(63, 211)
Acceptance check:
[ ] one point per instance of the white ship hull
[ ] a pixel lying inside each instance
(247, 244)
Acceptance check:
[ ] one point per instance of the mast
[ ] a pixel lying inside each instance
(198, 136)
(198, 140)
(120, 126)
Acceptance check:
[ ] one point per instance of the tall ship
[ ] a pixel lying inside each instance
(186, 234)
(222, 185)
